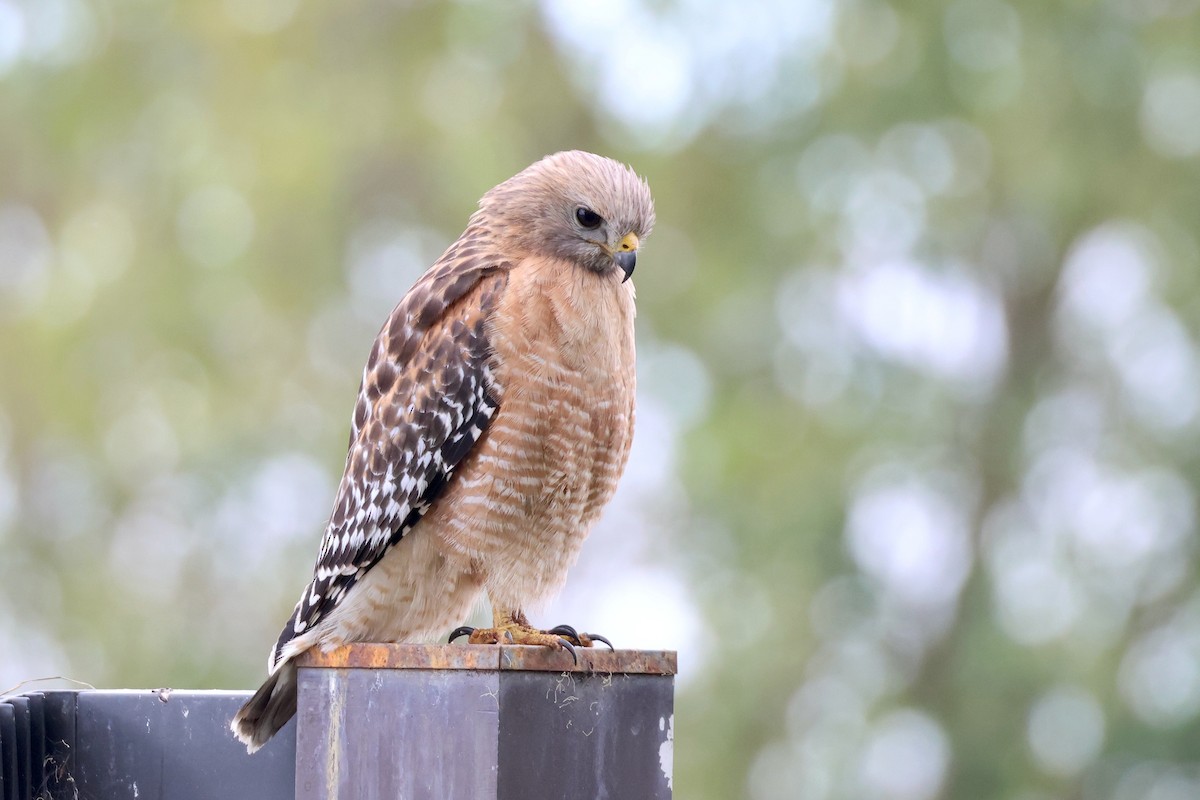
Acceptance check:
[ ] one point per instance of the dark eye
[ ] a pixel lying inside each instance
(588, 218)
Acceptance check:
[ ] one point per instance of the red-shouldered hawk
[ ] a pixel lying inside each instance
(493, 421)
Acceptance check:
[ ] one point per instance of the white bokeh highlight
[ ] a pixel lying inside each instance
(912, 540)
(1065, 730)
(1170, 114)
(905, 758)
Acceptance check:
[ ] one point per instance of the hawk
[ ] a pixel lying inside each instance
(494, 418)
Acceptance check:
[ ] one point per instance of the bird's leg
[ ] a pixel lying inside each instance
(512, 627)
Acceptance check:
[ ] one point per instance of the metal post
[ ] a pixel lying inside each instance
(512, 723)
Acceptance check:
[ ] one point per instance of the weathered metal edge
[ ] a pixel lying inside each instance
(591, 659)
(491, 657)
(369, 655)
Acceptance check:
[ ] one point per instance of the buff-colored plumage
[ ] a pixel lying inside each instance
(494, 419)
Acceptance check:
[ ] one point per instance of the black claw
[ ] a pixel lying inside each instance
(598, 638)
(568, 632)
(465, 630)
(571, 647)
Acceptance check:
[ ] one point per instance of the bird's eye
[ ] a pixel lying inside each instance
(588, 218)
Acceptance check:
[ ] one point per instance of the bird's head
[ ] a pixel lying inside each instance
(577, 206)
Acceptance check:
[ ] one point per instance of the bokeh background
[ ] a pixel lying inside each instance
(913, 491)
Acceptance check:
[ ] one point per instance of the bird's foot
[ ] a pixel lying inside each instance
(579, 637)
(514, 628)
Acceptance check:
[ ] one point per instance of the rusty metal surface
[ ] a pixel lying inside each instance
(492, 657)
(591, 659)
(404, 656)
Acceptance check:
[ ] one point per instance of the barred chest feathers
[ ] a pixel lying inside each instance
(551, 459)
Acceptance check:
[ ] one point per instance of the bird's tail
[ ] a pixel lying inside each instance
(268, 710)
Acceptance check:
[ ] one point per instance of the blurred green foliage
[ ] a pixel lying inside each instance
(913, 492)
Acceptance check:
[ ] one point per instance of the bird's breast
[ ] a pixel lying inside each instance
(522, 503)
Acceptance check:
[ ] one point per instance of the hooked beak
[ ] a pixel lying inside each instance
(626, 255)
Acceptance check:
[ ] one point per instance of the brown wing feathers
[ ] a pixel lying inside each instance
(427, 396)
